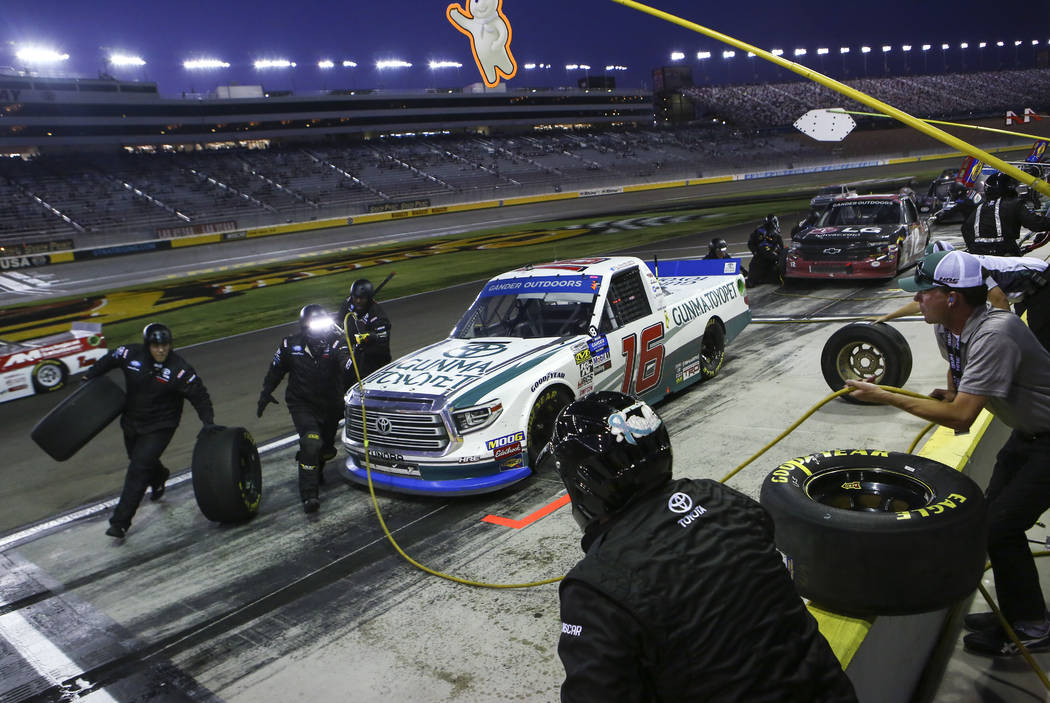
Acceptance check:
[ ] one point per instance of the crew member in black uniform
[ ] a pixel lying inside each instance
(315, 360)
(719, 249)
(156, 380)
(682, 594)
(767, 249)
(368, 328)
(994, 227)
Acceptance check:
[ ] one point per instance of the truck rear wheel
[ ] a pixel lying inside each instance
(712, 349)
(49, 375)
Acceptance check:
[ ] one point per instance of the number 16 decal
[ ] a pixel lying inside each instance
(650, 360)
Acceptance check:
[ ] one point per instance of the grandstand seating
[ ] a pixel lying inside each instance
(101, 197)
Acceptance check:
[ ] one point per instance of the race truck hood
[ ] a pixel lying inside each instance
(849, 234)
(456, 367)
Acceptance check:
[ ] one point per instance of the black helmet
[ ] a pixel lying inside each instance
(772, 221)
(718, 246)
(607, 447)
(156, 333)
(998, 185)
(314, 321)
(362, 288)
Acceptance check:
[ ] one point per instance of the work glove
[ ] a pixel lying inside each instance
(264, 400)
(360, 338)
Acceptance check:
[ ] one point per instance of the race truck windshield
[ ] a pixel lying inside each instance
(862, 212)
(555, 306)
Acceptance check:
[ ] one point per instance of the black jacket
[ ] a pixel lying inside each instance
(374, 352)
(765, 243)
(682, 596)
(315, 374)
(154, 392)
(994, 227)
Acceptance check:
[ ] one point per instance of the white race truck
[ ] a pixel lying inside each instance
(470, 414)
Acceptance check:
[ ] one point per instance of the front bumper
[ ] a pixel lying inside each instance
(462, 480)
(827, 269)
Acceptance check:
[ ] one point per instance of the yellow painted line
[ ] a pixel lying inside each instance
(863, 98)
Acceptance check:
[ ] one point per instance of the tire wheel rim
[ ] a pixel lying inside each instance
(49, 376)
(860, 361)
(868, 490)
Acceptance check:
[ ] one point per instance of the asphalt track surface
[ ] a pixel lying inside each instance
(291, 606)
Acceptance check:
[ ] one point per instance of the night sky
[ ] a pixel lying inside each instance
(593, 32)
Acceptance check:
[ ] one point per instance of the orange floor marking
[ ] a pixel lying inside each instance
(528, 519)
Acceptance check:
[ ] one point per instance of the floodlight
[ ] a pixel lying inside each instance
(1035, 42)
(195, 64)
(865, 49)
(274, 63)
(703, 55)
(843, 49)
(615, 67)
(126, 60)
(905, 47)
(677, 55)
(999, 43)
(982, 45)
(822, 50)
(926, 47)
(886, 48)
(728, 54)
(751, 54)
(945, 47)
(349, 64)
(326, 64)
(1017, 42)
(585, 67)
(392, 63)
(777, 52)
(800, 52)
(964, 45)
(445, 64)
(530, 66)
(39, 54)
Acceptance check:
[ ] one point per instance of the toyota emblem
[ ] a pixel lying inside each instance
(383, 425)
(680, 503)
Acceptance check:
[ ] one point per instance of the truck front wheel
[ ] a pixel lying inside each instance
(541, 420)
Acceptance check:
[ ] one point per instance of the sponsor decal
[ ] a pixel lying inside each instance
(544, 378)
(383, 455)
(701, 304)
(449, 373)
(515, 462)
(476, 350)
(851, 486)
(571, 630)
(468, 459)
(682, 504)
(514, 286)
(505, 440)
(783, 473)
(953, 500)
(33, 355)
(629, 424)
(581, 357)
(21, 262)
(592, 331)
(506, 451)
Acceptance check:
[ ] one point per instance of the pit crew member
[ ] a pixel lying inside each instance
(368, 328)
(767, 249)
(994, 227)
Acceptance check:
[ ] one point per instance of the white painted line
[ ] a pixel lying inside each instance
(89, 510)
(6, 281)
(42, 654)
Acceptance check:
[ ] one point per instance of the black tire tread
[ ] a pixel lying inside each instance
(78, 418)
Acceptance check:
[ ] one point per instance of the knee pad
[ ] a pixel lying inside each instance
(310, 449)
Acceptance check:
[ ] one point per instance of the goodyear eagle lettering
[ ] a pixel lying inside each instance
(953, 500)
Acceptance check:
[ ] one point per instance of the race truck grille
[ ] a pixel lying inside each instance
(818, 252)
(399, 430)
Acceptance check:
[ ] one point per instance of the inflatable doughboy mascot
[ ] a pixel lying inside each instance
(489, 31)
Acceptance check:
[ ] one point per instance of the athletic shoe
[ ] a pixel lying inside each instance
(116, 531)
(310, 505)
(156, 490)
(986, 622)
(997, 644)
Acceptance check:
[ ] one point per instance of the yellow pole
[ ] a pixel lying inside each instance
(950, 124)
(863, 98)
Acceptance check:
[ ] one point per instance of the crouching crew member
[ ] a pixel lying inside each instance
(682, 595)
(368, 328)
(767, 249)
(156, 380)
(315, 360)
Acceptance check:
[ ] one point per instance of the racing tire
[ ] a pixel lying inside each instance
(867, 532)
(712, 349)
(49, 375)
(78, 418)
(862, 350)
(541, 420)
(227, 475)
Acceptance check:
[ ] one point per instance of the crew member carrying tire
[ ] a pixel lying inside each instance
(368, 328)
(682, 594)
(994, 227)
(156, 380)
(994, 361)
(767, 249)
(315, 360)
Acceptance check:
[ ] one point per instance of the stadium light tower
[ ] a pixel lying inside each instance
(843, 50)
(944, 57)
(126, 60)
(925, 52)
(40, 55)
(886, 58)
(906, 49)
(864, 51)
(204, 64)
(325, 64)
(675, 56)
(777, 52)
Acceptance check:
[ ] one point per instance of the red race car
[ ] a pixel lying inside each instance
(43, 365)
